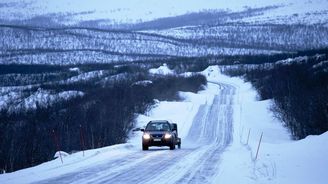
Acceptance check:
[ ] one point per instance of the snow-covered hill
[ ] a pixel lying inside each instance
(65, 46)
(126, 11)
(79, 32)
(29, 45)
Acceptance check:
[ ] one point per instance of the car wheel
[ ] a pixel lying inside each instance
(144, 147)
(179, 145)
(172, 146)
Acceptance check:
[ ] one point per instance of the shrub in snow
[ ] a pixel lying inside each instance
(60, 153)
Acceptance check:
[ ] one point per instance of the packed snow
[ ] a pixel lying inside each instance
(279, 160)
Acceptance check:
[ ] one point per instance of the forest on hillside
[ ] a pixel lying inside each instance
(298, 87)
(46, 108)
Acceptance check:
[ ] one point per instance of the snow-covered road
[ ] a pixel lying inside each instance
(197, 162)
(214, 125)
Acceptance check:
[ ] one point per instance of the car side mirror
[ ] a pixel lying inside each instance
(142, 129)
(174, 127)
(136, 129)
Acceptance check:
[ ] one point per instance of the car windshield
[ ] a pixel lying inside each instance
(158, 126)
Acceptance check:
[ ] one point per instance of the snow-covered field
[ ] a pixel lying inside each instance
(227, 159)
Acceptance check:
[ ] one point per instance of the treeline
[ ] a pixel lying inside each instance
(104, 114)
(278, 37)
(298, 87)
(272, 58)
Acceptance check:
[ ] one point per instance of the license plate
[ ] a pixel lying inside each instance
(157, 139)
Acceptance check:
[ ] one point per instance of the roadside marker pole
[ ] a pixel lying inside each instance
(57, 144)
(249, 132)
(258, 147)
(82, 139)
(241, 134)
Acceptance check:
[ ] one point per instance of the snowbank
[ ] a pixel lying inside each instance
(280, 160)
(59, 154)
(162, 70)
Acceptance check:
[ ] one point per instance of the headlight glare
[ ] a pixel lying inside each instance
(167, 136)
(146, 136)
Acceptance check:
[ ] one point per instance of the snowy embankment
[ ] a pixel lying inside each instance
(280, 160)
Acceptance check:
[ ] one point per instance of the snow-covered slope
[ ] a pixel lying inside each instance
(162, 70)
(280, 160)
(127, 11)
(114, 31)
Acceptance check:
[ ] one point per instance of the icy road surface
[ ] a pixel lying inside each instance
(197, 162)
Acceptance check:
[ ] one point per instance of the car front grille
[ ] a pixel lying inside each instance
(157, 135)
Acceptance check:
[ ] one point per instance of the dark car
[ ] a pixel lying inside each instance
(160, 133)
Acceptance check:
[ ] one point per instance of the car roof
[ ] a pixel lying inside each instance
(159, 121)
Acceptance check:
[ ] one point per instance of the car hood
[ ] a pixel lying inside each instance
(156, 132)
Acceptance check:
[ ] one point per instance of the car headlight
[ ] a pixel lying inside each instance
(167, 136)
(146, 136)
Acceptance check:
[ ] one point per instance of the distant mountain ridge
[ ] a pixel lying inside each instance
(143, 14)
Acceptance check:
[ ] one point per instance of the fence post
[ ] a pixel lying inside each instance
(57, 144)
(82, 139)
(249, 132)
(258, 147)
(241, 135)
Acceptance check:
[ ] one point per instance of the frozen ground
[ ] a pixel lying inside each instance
(214, 126)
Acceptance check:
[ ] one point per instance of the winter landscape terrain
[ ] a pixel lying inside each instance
(246, 82)
(214, 125)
